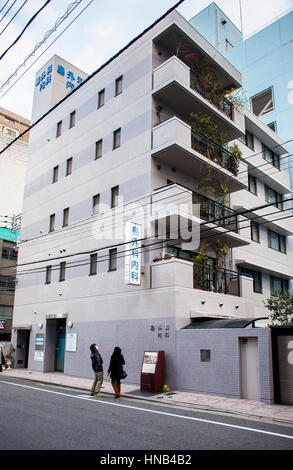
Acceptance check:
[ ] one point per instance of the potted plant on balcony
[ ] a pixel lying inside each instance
(234, 159)
(8, 357)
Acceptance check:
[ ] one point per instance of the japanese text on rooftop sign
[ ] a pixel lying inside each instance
(45, 78)
(133, 254)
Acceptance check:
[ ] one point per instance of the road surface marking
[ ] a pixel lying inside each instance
(191, 418)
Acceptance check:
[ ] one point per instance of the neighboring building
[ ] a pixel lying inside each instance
(265, 62)
(121, 148)
(12, 163)
(8, 259)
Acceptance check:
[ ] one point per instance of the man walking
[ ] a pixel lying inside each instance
(97, 365)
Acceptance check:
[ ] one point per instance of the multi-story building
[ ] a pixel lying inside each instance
(122, 147)
(264, 59)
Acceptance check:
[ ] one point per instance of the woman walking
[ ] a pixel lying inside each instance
(115, 368)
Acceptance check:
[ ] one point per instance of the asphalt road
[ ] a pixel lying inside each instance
(36, 416)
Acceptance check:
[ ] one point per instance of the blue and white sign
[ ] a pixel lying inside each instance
(45, 78)
(133, 254)
(71, 80)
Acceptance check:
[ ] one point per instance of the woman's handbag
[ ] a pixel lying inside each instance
(123, 374)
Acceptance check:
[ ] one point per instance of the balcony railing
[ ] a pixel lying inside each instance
(213, 96)
(213, 151)
(214, 211)
(213, 279)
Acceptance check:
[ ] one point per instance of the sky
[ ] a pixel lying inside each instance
(101, 30)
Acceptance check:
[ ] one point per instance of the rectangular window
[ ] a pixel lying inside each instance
(252, 186)
(113, 259)
(118, 85)
(59, 129)
(52, 223)
(257, 279)
(96, 204)
(249, 140)
(99, 149)
(276, 241)
(101, 98)
(271, 157)
(65, 217)
(114, 196)
(278, 285)
(272, 196)
(254, 227)
(116, 139)
(205, 355)
(62, 271)
(48, 274)
(69, 166)
(93, 264)
(263, 102)
(9, 253)
(72, 119)
(55, 174)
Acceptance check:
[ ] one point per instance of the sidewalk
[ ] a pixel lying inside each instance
(231, 406)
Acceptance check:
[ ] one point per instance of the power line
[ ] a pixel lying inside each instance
(25, 1)
(58, 22)
(8, 10)
(24, 29)
(4, 5)
(93, 74)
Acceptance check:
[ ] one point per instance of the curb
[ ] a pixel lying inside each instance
(172, 403)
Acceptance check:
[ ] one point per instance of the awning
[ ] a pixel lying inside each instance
(222, 323)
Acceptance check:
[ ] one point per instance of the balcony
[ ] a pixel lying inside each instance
(175, 206)
(184, 91)
(179, 146)
(213, 279)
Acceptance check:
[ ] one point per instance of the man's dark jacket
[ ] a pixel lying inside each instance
(97, 361)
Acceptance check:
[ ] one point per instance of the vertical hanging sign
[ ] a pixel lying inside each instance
(133, 254)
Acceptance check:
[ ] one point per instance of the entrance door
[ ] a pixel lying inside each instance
(60, 346)
(250, 368)
(285, 355)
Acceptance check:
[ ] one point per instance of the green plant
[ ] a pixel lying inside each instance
(204, 124)
(281, 305)
(234, 159)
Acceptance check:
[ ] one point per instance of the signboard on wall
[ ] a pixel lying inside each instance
(2, 324)
(71, 342)
(133, 254)
(39, 343)
(149, 362)
(39, 356)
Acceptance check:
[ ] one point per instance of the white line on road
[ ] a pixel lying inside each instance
(191, 418)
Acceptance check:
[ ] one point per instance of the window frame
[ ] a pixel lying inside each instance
(119, 85)
(114, 196)
(65, 221)
(251, 177)
(116, 133)
(275, 157)
(279, 199)
(59, 129)
(258, 94)
(254, 224)
(99, 149)
(72, 119)
(282, 242)
(96, 197)
(101, 102)
(112, 259)
(284, 285)
(69, 166)
(55, 174)
(62, 271)
(93, 264)
(52, 221)
(48, 278)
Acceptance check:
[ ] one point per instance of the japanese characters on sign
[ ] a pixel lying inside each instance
(133, 254)
(45, 78)
(71, 80)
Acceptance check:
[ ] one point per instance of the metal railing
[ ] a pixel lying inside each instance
(213, 210)
(213, 151)
(214, 97)
(210, 278)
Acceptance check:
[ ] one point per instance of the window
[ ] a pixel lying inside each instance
(273, 126)
(65, 217)
(263, 102)
(116, 139)
(96, 204)
(72, 119)
(99, 149)
(252, 186)
(59, 129)
(276, 241)
(278, 285)
(52, 223)
(55, 174)
(114, 196)
(248, 140)
(62, 271)
(48, 274)
(101, 98)
(69, 166)
(254, 228)
(257, 279)
(93, 264)
(10, 132)
(6, 311)
(113, 259)
(270, 156)
(118, 85)
(272, 196)
(205, 355)
(9, 253)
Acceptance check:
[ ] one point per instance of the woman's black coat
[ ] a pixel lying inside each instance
(116, 363)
